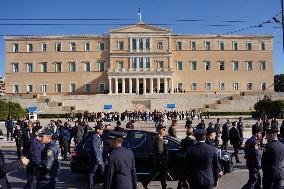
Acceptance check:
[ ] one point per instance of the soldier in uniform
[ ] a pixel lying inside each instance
(201, 163)
(96, 158)
(217, 128)
(18, 135)
(120, 169)
(48, 169)
(253, 157)
(271, 160)
(235, 140)
(160, 158)
(172, 129)
(240, 127)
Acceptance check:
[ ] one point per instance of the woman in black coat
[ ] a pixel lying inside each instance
(8, 167)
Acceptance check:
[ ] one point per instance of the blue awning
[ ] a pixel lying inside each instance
(107, 106)
(171, 105)
(32, 109)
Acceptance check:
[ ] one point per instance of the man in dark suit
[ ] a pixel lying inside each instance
(235, 140)
(225, 134)
(271, 160)
(201, 163)
(96, 157)
(120, 169)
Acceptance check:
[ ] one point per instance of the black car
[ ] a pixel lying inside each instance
(141, 142)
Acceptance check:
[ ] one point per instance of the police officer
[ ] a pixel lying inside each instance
(9, 124)
(49, 167)
(35, 148)
(235, 140)
(18, 135)
(271, 160)
(160, 158)
(96, 158)
(217, 128)
(120, 170)
(253, 157)
(201, 163)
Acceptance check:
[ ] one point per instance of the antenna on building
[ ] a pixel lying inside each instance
(140, 15)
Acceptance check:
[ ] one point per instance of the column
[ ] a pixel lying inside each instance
(116, 86)
(109, 85)
(144, 86)
(166, 85)
(137, 85)
(123, 85)
(172, 85)
(158, 85)
(151, 85)
(130, 85)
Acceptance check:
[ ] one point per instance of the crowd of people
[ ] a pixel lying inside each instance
(38, 151)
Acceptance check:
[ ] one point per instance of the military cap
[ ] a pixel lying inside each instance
(200, 132)
(116, 134)
(272, 129)
(210, 130)
(46, 132)
(99, 126)
(118, 123)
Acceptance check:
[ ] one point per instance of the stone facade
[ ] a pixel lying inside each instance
(141, 59)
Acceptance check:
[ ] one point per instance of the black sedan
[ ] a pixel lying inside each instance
(141, 142)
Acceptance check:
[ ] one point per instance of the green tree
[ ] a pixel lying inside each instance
(12, 108)
(272, 108)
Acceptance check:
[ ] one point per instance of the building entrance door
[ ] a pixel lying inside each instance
(140, 88)
(119, 87)
(162, 86)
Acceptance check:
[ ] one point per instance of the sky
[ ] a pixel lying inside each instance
(183, 16)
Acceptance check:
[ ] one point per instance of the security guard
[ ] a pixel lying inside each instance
(253, 157)
(160, 158)
(96, 157)
(120, 170)
(201, 163)
(35, 148)
(271, 160)
(49, 167)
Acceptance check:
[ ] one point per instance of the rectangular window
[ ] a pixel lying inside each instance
(43, 67)
(134, 44)
(207, 65)
(235, 65)
(221, 45)
(102, 87)
(179, 65)
(43, 88)
(140, 62)
(15, 88)
(160, 64)
(147, 43)
(193, 65)
(120, 65)
(72, 66)
(88, 88)
(236, 86)
(179, 45)
(101, 46)
(141, 44)
(179, 86)
(249, 66)
(193, 86)
(72, 88)
(58, 67)
(30, 88)
(58, 88)
(248, 46)
(120, 45)
(148, 64)
(72, 46)
(15, 67)
(29, 47)
(15, 47)
(87, 66)
(58, 47)
(101, 66)
(235, 46)
(87, 46)
(134, 62)
(29, 67)
(193, 45)
(208, 86)
(249, 86)
(222, 65)
(44, 47)
(263, 86)
(262, 65)
(160, 45)
(262, 46)
(222, 86)
(207, 45)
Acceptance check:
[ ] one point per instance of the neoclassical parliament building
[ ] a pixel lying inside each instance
(138, 59)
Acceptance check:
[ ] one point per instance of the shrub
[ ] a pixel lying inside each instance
(271, 108)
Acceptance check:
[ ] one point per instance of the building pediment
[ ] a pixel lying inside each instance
(141, 28)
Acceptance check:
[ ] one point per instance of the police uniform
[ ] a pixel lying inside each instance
(49, 167)
(271, 160)
(96, 157)
(120, 169)
(201, 164)
(253, 161)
